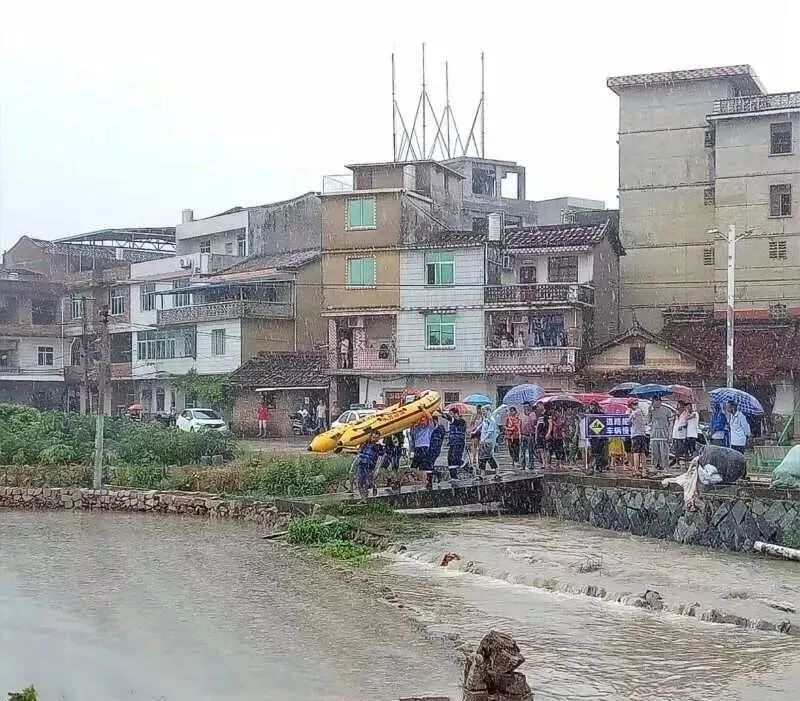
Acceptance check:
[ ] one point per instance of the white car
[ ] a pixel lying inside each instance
(192, 420)
(351, 416)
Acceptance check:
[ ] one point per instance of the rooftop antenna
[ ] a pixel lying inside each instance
(413, 143)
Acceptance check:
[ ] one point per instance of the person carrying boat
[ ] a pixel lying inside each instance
(390, 461)
(458, 439)
(367, 462)
(435, 448)
(421, 438)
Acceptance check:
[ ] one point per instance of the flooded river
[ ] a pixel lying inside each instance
(116, 606)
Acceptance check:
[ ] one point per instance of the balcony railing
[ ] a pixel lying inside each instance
(218, 311)
(545, 293)
(757, 103)
(22, 372)
(535, 361)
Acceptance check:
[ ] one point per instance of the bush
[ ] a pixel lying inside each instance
(27, 694)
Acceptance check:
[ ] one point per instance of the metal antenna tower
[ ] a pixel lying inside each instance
(411, 143)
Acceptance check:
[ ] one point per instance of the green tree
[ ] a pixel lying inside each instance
(213, 390)
(27, 694)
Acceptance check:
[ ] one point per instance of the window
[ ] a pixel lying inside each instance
(229, 248)
(562, 269)
(708, 256)
(205, 246)
(78, 307)
(361, 213)
(527, 274)
(451, 397)
(147, 296)
(777, 250)
(361, 272)
(218, 342)
(484, 182)
(440, 330)
(45, 354)
(780, 200)
(117, 301)
(637, 355)
(709, 196)
(439, 268)
(480, 225)
(43, 311)
(780, 138)
(182, 299)
(241, 244)
(165, 345)
(709, 138)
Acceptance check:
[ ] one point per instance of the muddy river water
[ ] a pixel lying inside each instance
(117, 606)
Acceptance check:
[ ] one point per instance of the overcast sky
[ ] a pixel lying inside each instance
(112, 117)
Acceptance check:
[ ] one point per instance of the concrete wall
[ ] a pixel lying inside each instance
(312, 329)
(219, 230)
(336, 294)
(286, 226)
(616, 359)
(552, 211)
(336, 235)
(606, 279)
(744, 172)
(267, 335)
(664, 168)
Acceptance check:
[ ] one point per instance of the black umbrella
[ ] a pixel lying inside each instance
(624, 389)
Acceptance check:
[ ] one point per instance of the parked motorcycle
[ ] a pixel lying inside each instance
(302, 426)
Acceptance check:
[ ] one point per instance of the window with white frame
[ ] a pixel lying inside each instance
(78, 307)
(241, 244)
(440, 330)
(147, 296)
(45, 356)
(205, 246)
(165, 345)
(361, 272)
(361, 213)
(218, 342)
(440, 268)
(116, 301)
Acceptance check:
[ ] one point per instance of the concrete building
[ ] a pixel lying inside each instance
(290, 225)
(699, 150)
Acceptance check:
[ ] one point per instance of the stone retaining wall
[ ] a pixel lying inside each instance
(729, 517)
(193, 503)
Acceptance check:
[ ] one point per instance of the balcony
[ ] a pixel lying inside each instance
(757, 103)
(538, 294)
(219, 311)
(371, 346)
(25, 373)
(531, 361)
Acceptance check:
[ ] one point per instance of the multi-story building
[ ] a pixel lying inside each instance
(413, 301)
(700, 150)
(192, 312)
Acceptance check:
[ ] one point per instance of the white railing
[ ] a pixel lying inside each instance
(531, 360)
(216, 311)
(757, 103)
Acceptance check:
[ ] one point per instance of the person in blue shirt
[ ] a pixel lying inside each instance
(392, 452)
(458, 440)
(421, 439)
(437, 441)
(718, 430)
(366, 462)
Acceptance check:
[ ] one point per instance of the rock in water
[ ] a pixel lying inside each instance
(489, 672)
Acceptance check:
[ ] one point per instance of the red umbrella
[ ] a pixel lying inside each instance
(461, 408)
(614, 406)
(592, 397)
(135, 407)
(682, 392)
(562, 399)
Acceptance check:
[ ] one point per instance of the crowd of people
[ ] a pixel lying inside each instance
(538, 436)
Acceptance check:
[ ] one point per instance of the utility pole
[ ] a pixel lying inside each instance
(85, 360)
(102, 377)
(731, 303)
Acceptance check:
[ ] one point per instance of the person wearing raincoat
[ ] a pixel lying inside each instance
(458, 440)
(490, 432)
(435, 448)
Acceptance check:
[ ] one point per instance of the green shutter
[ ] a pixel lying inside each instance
(361, 272)
(368, 212)
(361, 212)
(354, 213)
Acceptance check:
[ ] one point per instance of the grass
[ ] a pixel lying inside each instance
(378, 516)
(331, 537)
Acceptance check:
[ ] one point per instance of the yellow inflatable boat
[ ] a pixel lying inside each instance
(398, 417)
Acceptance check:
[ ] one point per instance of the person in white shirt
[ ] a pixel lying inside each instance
(679, 432)
(738, 427)
(692, 429)
(322, 417)
(344, 352)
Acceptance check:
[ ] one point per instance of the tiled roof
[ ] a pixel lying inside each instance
(289, 260)
(563, 235)
(269, 205)
(759, 351)
(283, 371)
(743, 72)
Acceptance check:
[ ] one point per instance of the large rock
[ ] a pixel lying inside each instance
(489, 672)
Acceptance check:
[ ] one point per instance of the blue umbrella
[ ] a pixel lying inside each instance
(650, 391)
(744, 400)
(523, 394)
(477, 400)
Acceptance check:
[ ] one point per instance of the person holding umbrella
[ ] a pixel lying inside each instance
(738, 427)
(527, 422)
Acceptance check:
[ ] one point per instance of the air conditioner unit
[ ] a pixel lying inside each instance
(508, 262)
(186, 262)
(355, 322)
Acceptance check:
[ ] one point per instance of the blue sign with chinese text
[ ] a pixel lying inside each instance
(608, 426)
